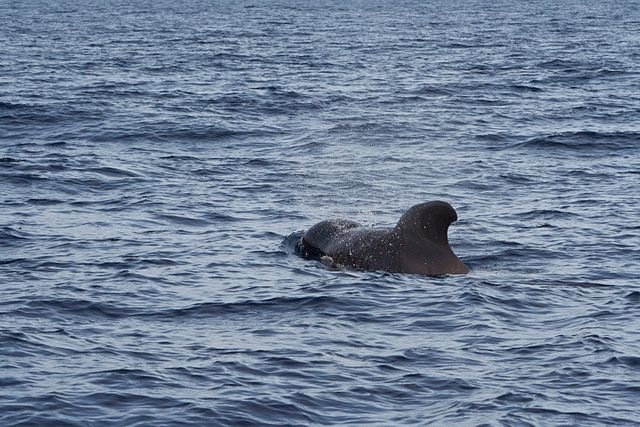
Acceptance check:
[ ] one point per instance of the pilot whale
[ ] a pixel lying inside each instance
(418, 244)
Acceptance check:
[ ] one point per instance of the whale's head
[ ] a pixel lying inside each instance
(429, 220)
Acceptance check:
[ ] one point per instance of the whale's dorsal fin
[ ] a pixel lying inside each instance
(429, 220)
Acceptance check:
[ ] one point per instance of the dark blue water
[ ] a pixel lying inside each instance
(153, 156)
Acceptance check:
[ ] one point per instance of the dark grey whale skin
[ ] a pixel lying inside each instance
(418, 244)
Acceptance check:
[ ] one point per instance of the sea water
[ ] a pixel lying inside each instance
(155, 154)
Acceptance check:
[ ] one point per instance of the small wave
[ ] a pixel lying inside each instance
(23, 178)
(280, 91)
(584, 141)
(152, 261)
(9, 160)
(44, 202)
(8, 261)
(265, 411)
(632, 362)
(559, 64)
(39, 114)
(517, 179)
(509, 255)
(460, 45)
(180, 158)
(588, 174)
(12, 106)
(279, 304)
(634, 296)
(220, 217)
(165, 132)
(123, 399)
(184, 220)
(258, 162)
(113, 172)
(526, 88)
(88, 185)
(494, 137)
(8, 233)
(537, 214)
(122, 377)
(429, 90)
(54, 307)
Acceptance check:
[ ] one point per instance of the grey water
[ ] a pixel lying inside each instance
(154, 155)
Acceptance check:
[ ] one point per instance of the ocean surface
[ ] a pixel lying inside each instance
(154, 155)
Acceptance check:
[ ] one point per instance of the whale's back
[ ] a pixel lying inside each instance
(317, 240)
